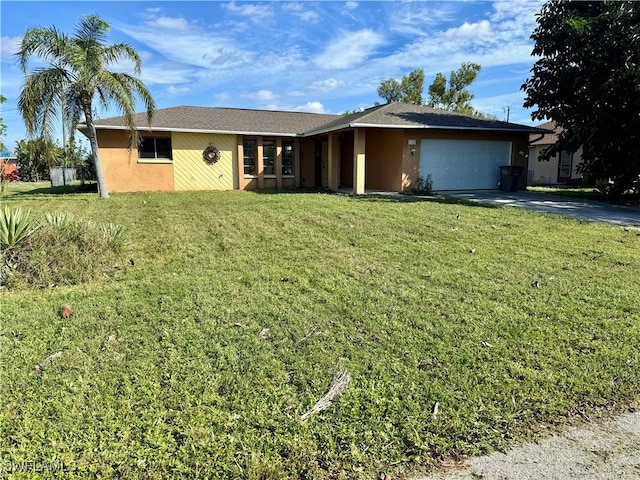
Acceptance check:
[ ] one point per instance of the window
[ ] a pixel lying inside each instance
(288, 158)
(564, 165)
(250, 157)
(155, 148)
(269, 157)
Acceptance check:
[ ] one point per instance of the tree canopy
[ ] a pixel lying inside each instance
(407, 90)
(453, 96)
(588, 80)
(76, 73)
(456, 96)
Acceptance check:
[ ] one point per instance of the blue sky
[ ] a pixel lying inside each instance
(325, 56)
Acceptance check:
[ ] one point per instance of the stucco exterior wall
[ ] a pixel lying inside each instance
(190, 170)
(124, 173)
(543, 172)
(383, 169)
(307, 163)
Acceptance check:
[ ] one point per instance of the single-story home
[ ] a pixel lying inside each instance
(383, 148)
(559, 169)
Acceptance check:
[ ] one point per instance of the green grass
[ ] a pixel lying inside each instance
(230, 312)
(588, 193)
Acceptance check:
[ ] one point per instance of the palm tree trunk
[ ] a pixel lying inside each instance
(93, 140)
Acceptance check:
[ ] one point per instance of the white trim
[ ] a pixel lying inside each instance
(155, 160)
(416, 127)
(437, 127)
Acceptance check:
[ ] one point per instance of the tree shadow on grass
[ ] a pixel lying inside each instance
(419, 199)
(61, 190)
(380, 197)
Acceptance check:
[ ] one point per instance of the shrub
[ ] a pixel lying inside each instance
(64, 251)
(15, 227)
(424, 186)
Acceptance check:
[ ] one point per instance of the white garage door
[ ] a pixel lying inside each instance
(463, 164)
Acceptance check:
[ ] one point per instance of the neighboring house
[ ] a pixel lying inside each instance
(385, 148)
(559, 169)
(8, 169)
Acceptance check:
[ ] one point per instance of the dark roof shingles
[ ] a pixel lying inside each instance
(395, 115)
(226, 120)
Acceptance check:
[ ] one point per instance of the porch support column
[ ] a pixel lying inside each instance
(333, 162)
(240, 180)
(358, 160)
(260, 163)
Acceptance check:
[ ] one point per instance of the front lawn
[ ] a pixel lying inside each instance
(588, 193)
(464, 329)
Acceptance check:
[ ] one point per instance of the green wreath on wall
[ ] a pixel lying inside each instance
(211, 155)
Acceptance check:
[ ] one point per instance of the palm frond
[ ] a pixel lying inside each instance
(92, 30)
(39, 100)
(47, 44)
(122, 51)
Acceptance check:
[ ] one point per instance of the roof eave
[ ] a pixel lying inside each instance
(445, 127)
(423, 127)
(193, 130)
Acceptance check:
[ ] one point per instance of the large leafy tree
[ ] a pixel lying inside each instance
(35, 157)
(407, 90)
(75, 75)
(455, 96)
(587, 79)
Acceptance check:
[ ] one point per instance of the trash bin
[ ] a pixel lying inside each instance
(510, 177)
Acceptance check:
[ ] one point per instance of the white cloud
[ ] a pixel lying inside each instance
(311, 107)
(309, 16)
(187, 43)
(522, 9)
(302, 12)
(350, 5)
(175, 24)
(502, 37)
(326, 85)
(166, 74)
(178, 90)
(255, 11)
(349, 50)
(415, 18)
(152, 11)
(262, 96)
(474, 32)
(8, 47)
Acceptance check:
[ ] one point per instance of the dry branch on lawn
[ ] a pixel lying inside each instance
(341, 379)
(39, 367)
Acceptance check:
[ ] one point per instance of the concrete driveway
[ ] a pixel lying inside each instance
(588, 210)
(602, 450)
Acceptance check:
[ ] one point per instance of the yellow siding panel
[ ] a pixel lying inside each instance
(192, 173)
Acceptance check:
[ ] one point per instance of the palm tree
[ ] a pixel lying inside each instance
(75, 73)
